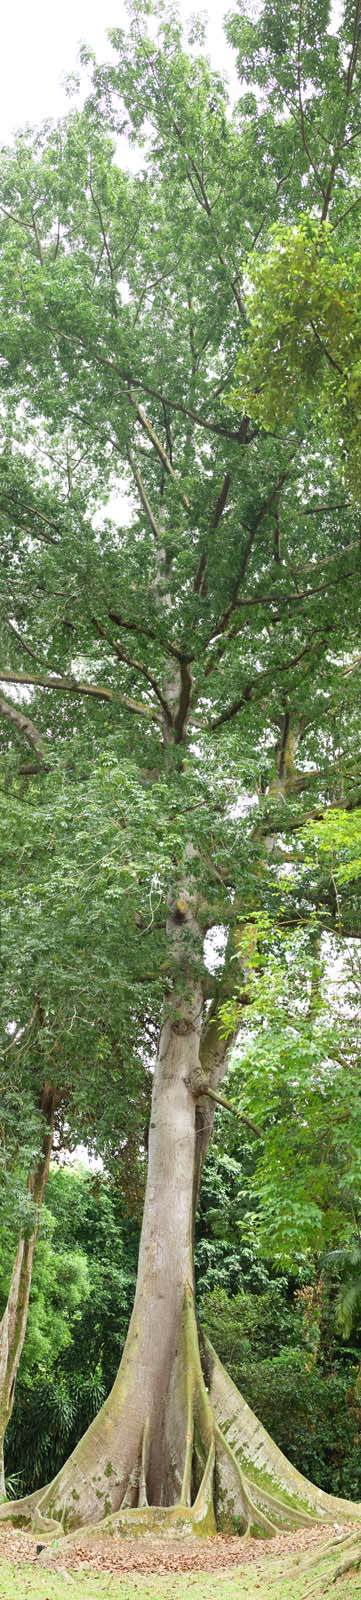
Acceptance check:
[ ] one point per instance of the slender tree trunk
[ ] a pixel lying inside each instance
(14, 1319)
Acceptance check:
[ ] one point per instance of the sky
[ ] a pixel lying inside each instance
(39, 44)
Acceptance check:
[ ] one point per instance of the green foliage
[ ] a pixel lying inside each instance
(303, 344)
(81, 1297)
(295, 1072)
(311, 1407)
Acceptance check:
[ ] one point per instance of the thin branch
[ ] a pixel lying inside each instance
(221, 502)
(19, 1034)
(190, 166)
(144, 497)
(157, 445)
(345, 213)
(325, 351)
(222, 622)
(315, 511)
(20, 221)
(286, 599)
(37, 237)
(247, 692)
(247, 552)
(282, 180)
(148, 633)
(301, 108)
(138, 666)
(220, 1100)
(349, 86)
(97, 208)
(128, 377)
(199, 582)
(34, 533)
(22, 642)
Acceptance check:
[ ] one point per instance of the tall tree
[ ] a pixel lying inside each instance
(183, 595)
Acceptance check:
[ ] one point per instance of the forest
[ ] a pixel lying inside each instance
(180, 484)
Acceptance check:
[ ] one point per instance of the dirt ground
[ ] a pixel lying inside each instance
(162, 1556)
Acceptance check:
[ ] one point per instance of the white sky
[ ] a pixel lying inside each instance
(39, 43)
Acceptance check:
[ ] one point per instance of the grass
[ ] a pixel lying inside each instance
(273, 1581)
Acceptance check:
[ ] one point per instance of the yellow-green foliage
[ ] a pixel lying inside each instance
(303, 343)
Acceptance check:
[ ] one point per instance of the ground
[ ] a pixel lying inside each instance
(291, 1567)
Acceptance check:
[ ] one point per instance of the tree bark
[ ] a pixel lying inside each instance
(174, 1445)
(14, 1319)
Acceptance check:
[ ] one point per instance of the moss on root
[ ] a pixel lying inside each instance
(223, 1471)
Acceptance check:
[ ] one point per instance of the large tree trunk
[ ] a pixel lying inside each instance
(14, 1319)
(174, 1448)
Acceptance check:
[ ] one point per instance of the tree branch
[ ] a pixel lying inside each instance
(199, 582)
(144, 497)
(301, 109)
(138, 666)
(184, 701)
(24, 726)
(325, 351)
(148, 633)
(220, 1100)
(97, 208)
(240, 434)
(157, 446)
(72, 686)
(247, 693)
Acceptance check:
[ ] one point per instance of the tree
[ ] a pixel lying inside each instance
(14, 1319)
(180, 654)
